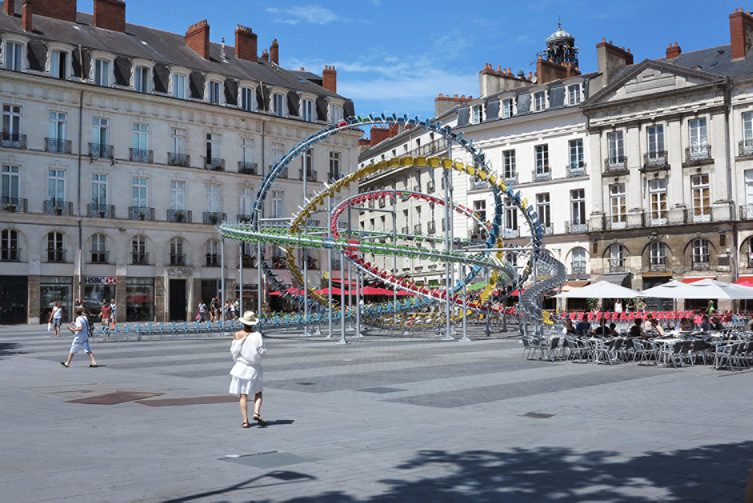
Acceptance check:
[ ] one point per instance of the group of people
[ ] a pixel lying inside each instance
(215, 310)
(701, 321)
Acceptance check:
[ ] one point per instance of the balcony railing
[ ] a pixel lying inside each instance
(310, 176)
(140, 213)
(657, 265)
(176, 159)
(100, 257)
(654, 161)
(100, 151)
(542, 175)
(745, 147)
(619, 221)
(247, 260)
(60, 208)
(213, 217)
(432, 148)
(511, 178)
(141, 155)
(56, 255)
(701, 265)
(615, 165)
(511, 233)
(404, 230)
(10, 254)
(214, 164)
(212, 260)
(247, 168)
(616, 265)
(431, 227)
(549, 229)
(178, 259)
(578, 269)
(333, 177)
(697, 154)
(575, 169)
(572, 228)
(746, 212)
(12, 140)
(179, 216)
(476, 184)
(14, 204)
(138, 258)
(701, 215)
(57, 145)
(95, 210)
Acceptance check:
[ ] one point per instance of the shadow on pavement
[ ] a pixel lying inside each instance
(9, 349)
(277, 477)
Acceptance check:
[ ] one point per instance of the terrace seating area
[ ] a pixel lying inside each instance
(166, 330)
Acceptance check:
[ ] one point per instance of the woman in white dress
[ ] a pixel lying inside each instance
(247, 348)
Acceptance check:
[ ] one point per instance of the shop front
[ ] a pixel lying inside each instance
(54, 289)
(250, 297)
(14, 297)
(139, 299)
(97, 291)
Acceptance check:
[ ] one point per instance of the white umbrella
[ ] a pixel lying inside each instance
(713, 289)
(601, 290)
(671, 290)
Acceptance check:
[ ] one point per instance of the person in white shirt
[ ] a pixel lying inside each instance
(56, 318)
(247, 377)
(618, 306)
(80, 329)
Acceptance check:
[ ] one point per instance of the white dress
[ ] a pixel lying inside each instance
(247, 376)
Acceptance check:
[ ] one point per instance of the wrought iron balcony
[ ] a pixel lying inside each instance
(247, 260)
(333, 177)
(575, 169)
(179, 216)
(511, 178)
(745, 147)
(138, 258)
(696, 155)
(658, 265)
(247, 168)
(511, 233)
(616, 265)
(100, 151)
(176, 159)
(57, 145)
(578, 269)
(14, 204)
(615, 166)
(100, 257)
(214, 217)
(12, 140)
(214, 164)
(95, 210)
(60, 208)
(476, 184)
(56, 255)
(178, 259)
(701, 265)
(140, 213)
(577, 227)
(141, 155)
(548, 229)
(701, 215)
(655, 161)
(542, 174)
(310, 176)
(212, 260)
(10, 254)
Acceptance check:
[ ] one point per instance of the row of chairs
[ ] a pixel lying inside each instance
(123, 332)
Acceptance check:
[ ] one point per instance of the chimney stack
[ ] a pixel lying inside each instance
(110, 15)
(26, 15)
(58, 9)
(245, 44)
(197, 38)
(9, 7)
(329, 78)
(673, 50)
(740, 33)
(611, 60)
(265, 55)
(274, 52)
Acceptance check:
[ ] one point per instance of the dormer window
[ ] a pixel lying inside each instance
(335, 112)
(179, 86)
(14, 56)
(214, 92)
(278, 104)
(141, 79)
(247, 99)
(307, 110)
(477, 114)
(58, 64)
(574, 94)
(507, 108)
(539, 101)
(102, 72)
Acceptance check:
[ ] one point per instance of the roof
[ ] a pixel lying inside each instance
(162, 47)
(716, 60)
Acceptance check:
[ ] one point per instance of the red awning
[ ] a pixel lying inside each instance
(291, 290)
(745, 281)
(693, 279)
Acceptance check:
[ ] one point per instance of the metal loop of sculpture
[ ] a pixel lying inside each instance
(355, 245)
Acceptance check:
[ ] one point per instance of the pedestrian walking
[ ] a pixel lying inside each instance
(247, 378)
(113, 312)
(80, 330)
(202, 311)
(104, 316)
(56, 317)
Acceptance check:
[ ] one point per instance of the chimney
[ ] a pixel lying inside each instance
(26, 15)
(245, 44)
(9, 7)
(673, 50)
(110, 15)
(740, 33)
(444, 103)
(547, 71)
(329, 78)
(197, 38)
(58, 9)
(379, 134)
(265, 55)
(274, 52)
(611, 60)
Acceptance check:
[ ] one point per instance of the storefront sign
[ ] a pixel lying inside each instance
(99, 280)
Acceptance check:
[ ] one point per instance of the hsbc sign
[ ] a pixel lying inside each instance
(99, 280)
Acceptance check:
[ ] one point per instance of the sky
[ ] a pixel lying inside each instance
(397, 55)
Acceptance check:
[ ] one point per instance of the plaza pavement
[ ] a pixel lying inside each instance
(381, 419)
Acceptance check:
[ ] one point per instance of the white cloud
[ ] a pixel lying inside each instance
(309, 14)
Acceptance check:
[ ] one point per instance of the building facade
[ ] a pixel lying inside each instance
(123, 148)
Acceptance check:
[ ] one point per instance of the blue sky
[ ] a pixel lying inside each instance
(397, 55)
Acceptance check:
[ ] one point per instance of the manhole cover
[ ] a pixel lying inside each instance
(381, 390)
(115, 398)
(189, 400)
(538, 415)
(271, 459)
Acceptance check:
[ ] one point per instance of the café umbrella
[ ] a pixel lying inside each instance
(600, 290)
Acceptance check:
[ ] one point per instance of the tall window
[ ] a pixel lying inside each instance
(509, 164)
(213, 253)
(539, 101)
(511, 216)
(247, 99)
(56, 185)
(214, 92)
(278, 204)
(578, 207)
(55, 250)
(100, 133)
(543, 209)
(616, 146)
(140, 136)
(307, 162)
(479, 209)
(698, 132)
(701, 254)
(748, 129)
(278, 104)
(477, 114)
(11, 122)
(576, 154)
(507, 108)
(247, 201)
(335, 112)
(658, 255)
(334, 166)
(13, 56)
(247, 151)
(9, 246)
(139, 193)
(99, 189)
(213, 146)
(655, 137)
(579, 259)
(542, 159)
(657, 193)
(213, 198)
(138, 250)
(701, 194)
(573, 94)
(58, 66)
(307, 108)
(177, 195)
(278, 150)
(616, 254)
(99, 249)
(177, 255)
(57, 126)
(617, 204)
(178, 140)
(102, 72)
(179, 86)
(10, 185)
(141, 79)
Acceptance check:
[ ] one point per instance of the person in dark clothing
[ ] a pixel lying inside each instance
(636, 331)
(583, 327)
(612, 330)
(705, 324)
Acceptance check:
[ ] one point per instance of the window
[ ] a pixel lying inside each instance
(616, 147)
(213, 198)
(335, 112)
(278, 204)
(507, 108)
(57, 126)
(247, 151)
(278, 104)
(56, 185)
(657, 255)
(701, 194)
(99, 249)
(100, 132)
(10, 185)
(247, 201)
(307, 110)
(655, 137)
(141, 79)
(139, 192)
(511, 216)
(13, 56)
(617, 204)
(576, 154)
(213, 253)
(577, 208)
(539, 101)
(698, 138)
(58, 66)
(307, 165)
(9, 251)
(334, 166)
(11, 122)
(477, 114)
(177, 257)
(247, 99)
(616, 254)
(102, 72)
(214, 92)
(657, 193)
(278, 150)
(178, 140)
(543, 209)
(138, 250)
(542, 159)
(573, 94)
(55, 250)
(700, 253)
(579, 259)
(99, 189)
(140, 136)
(509, 164)
(213, 147)
(179, 86)
(177, 195)
(479, 209)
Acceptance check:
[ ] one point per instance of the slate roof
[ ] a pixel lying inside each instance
(161, 47)
(716, 60)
